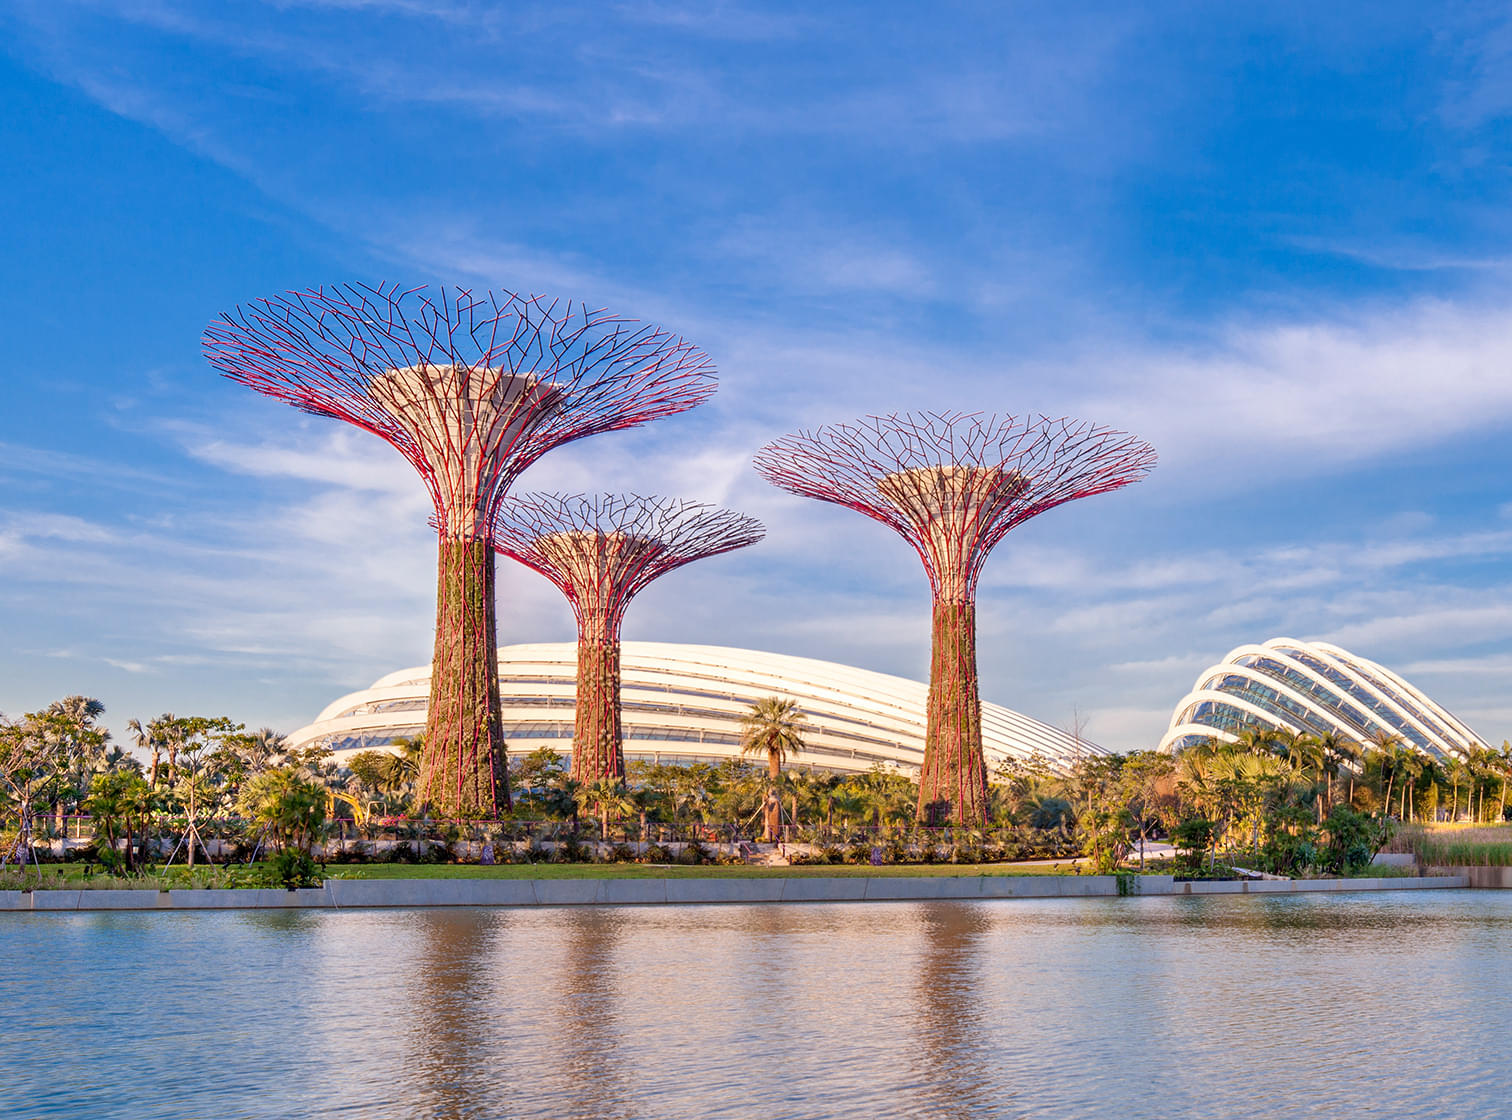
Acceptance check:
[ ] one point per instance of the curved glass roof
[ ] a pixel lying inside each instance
(685, 701)
(1312, 687)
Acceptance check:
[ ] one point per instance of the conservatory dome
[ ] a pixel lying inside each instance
(683, 704)
(1312, 688)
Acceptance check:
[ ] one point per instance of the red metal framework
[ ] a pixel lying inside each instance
(602, 550)
(471, 388)
(953, 485)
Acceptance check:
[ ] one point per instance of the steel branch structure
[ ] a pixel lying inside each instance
(471, 388)
(953, 485)
(602, 550)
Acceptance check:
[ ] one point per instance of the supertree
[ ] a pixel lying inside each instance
(602, 550)
(471, 388)
(953, 485)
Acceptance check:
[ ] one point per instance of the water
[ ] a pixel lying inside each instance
(1395, 1005)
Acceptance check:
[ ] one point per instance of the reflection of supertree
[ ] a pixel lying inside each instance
(602, 550)
(471, 389)
(953, 485)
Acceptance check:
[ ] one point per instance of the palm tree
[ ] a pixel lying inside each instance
(80, 745)
(773, 727)
(1337, 750)
(1458, 772)
(1389, 747)
(403, 766)
(1256, 738)
(145, 740)
(1482, 764)
(1503, 771)
(607, 795)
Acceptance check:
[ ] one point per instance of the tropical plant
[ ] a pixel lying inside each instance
(290, 808)
(774, 728)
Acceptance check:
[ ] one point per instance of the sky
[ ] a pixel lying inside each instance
(1273, 240)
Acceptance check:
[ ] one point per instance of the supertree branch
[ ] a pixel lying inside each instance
(472, 388)
(953, 485)
(602, 550)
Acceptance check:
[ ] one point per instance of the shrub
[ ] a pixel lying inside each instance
(858, 853)
(1353, 839)
(290, 868)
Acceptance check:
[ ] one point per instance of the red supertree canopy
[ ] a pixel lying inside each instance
(471, 387)
(954, 484)
(603, 549)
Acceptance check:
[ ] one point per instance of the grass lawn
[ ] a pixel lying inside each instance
(655, 871)
(72, 874)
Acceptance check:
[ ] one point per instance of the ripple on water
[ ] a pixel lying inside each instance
(1223, 1007)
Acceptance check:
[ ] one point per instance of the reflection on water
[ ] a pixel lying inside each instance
(450, 1015)
(953, 1059)
(1349, 1005)
(586, 1029)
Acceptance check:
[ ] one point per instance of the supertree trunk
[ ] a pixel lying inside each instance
(463, 773)
(953, 781)
(597, 748)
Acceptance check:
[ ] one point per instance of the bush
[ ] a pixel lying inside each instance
(655, 853)
(693, 853)
(289, 868)
(1353, 839)
(858, 853)
(1192, 838)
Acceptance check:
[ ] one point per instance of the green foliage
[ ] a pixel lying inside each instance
(1193, 838)
(293, 869)
(292, 808)
(1352, 839)
(1105, 831)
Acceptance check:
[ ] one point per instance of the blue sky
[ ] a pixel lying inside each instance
(1273, 240)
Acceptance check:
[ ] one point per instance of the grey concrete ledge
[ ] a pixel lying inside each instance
(1486, 878)
(343, 894)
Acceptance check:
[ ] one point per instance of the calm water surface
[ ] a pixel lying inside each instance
(1395, 1005)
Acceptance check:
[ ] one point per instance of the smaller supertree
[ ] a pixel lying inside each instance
(602, 550)
(953, 485)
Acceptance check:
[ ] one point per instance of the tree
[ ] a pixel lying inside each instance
(607, 796)
(1148, 790)
(80, 747)
(291, 808)
(402, 770)
(204, 770)
(25, 770)
(1338, 751)
(1388, 751)
(120, 803)
(773, 727)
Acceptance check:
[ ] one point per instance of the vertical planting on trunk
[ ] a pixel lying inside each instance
(953, 782)
(597, 749)
(463, 766)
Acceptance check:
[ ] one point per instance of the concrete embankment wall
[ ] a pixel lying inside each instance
(339, 894)
(1486, 878)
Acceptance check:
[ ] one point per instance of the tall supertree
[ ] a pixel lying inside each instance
(471, 388)
(602, 550)
(952, 485)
